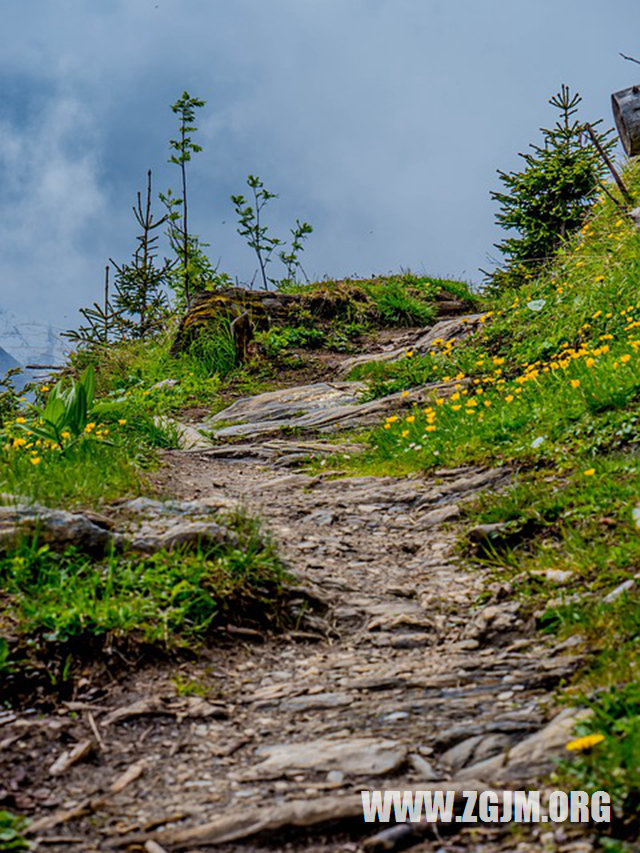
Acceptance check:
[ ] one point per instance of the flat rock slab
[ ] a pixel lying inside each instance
(321, 407)
(357, 756)
(289, 402)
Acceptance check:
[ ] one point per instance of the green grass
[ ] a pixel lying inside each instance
(396, 300)
(89, 475)
(168, 600)
(612, 764)
(578, 524)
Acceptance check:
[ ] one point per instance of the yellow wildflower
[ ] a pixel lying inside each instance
(625, 358)
(410, 419)
(122, 421)
(90, 427)
(405, 393)
(589, 472)
(585, 742)
(21, 420)
(509, 398)
(589, 362)
(405, 433)
(575, 383)
(35, 460)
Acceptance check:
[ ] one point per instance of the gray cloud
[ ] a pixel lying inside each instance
(380, 121)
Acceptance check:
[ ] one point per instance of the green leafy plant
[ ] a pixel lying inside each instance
(291, 257)
(251, 226)
(549, 198)
(67, 412)
(12, 829)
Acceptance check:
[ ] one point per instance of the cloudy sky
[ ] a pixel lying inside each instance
(381, 122)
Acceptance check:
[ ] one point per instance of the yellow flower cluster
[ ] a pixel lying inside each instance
(463, 399)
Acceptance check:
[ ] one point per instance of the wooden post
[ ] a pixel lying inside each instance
(626, 111)
(616, 176)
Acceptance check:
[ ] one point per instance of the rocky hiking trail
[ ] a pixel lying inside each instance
(392, 676)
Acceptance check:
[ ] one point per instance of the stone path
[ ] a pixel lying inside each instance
(393, 677)
(403, 681)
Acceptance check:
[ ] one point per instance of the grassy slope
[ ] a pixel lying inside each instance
(551, 387)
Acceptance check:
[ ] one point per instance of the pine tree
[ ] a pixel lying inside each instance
(140, 300)
(549, 198)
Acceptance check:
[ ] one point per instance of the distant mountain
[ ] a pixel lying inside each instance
(7, 361)
(31, 342)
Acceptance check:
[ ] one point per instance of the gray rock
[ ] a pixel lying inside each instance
(627, 586)
(483, 534)
(56, 528)
(531, 755)
(357, 756)
(438, 516)
(182, 534)
(461, 753)
(556, 575)
(165, 383)
(316, 701)
(422, 767)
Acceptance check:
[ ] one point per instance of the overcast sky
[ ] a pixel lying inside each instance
(381, 122)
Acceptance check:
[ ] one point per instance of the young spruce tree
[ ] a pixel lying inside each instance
(140, 298)
(548, 199)
(194, 270)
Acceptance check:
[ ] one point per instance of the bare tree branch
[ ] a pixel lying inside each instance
(630, 58)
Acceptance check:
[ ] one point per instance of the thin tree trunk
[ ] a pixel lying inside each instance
(106, 304)
(185, 232)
